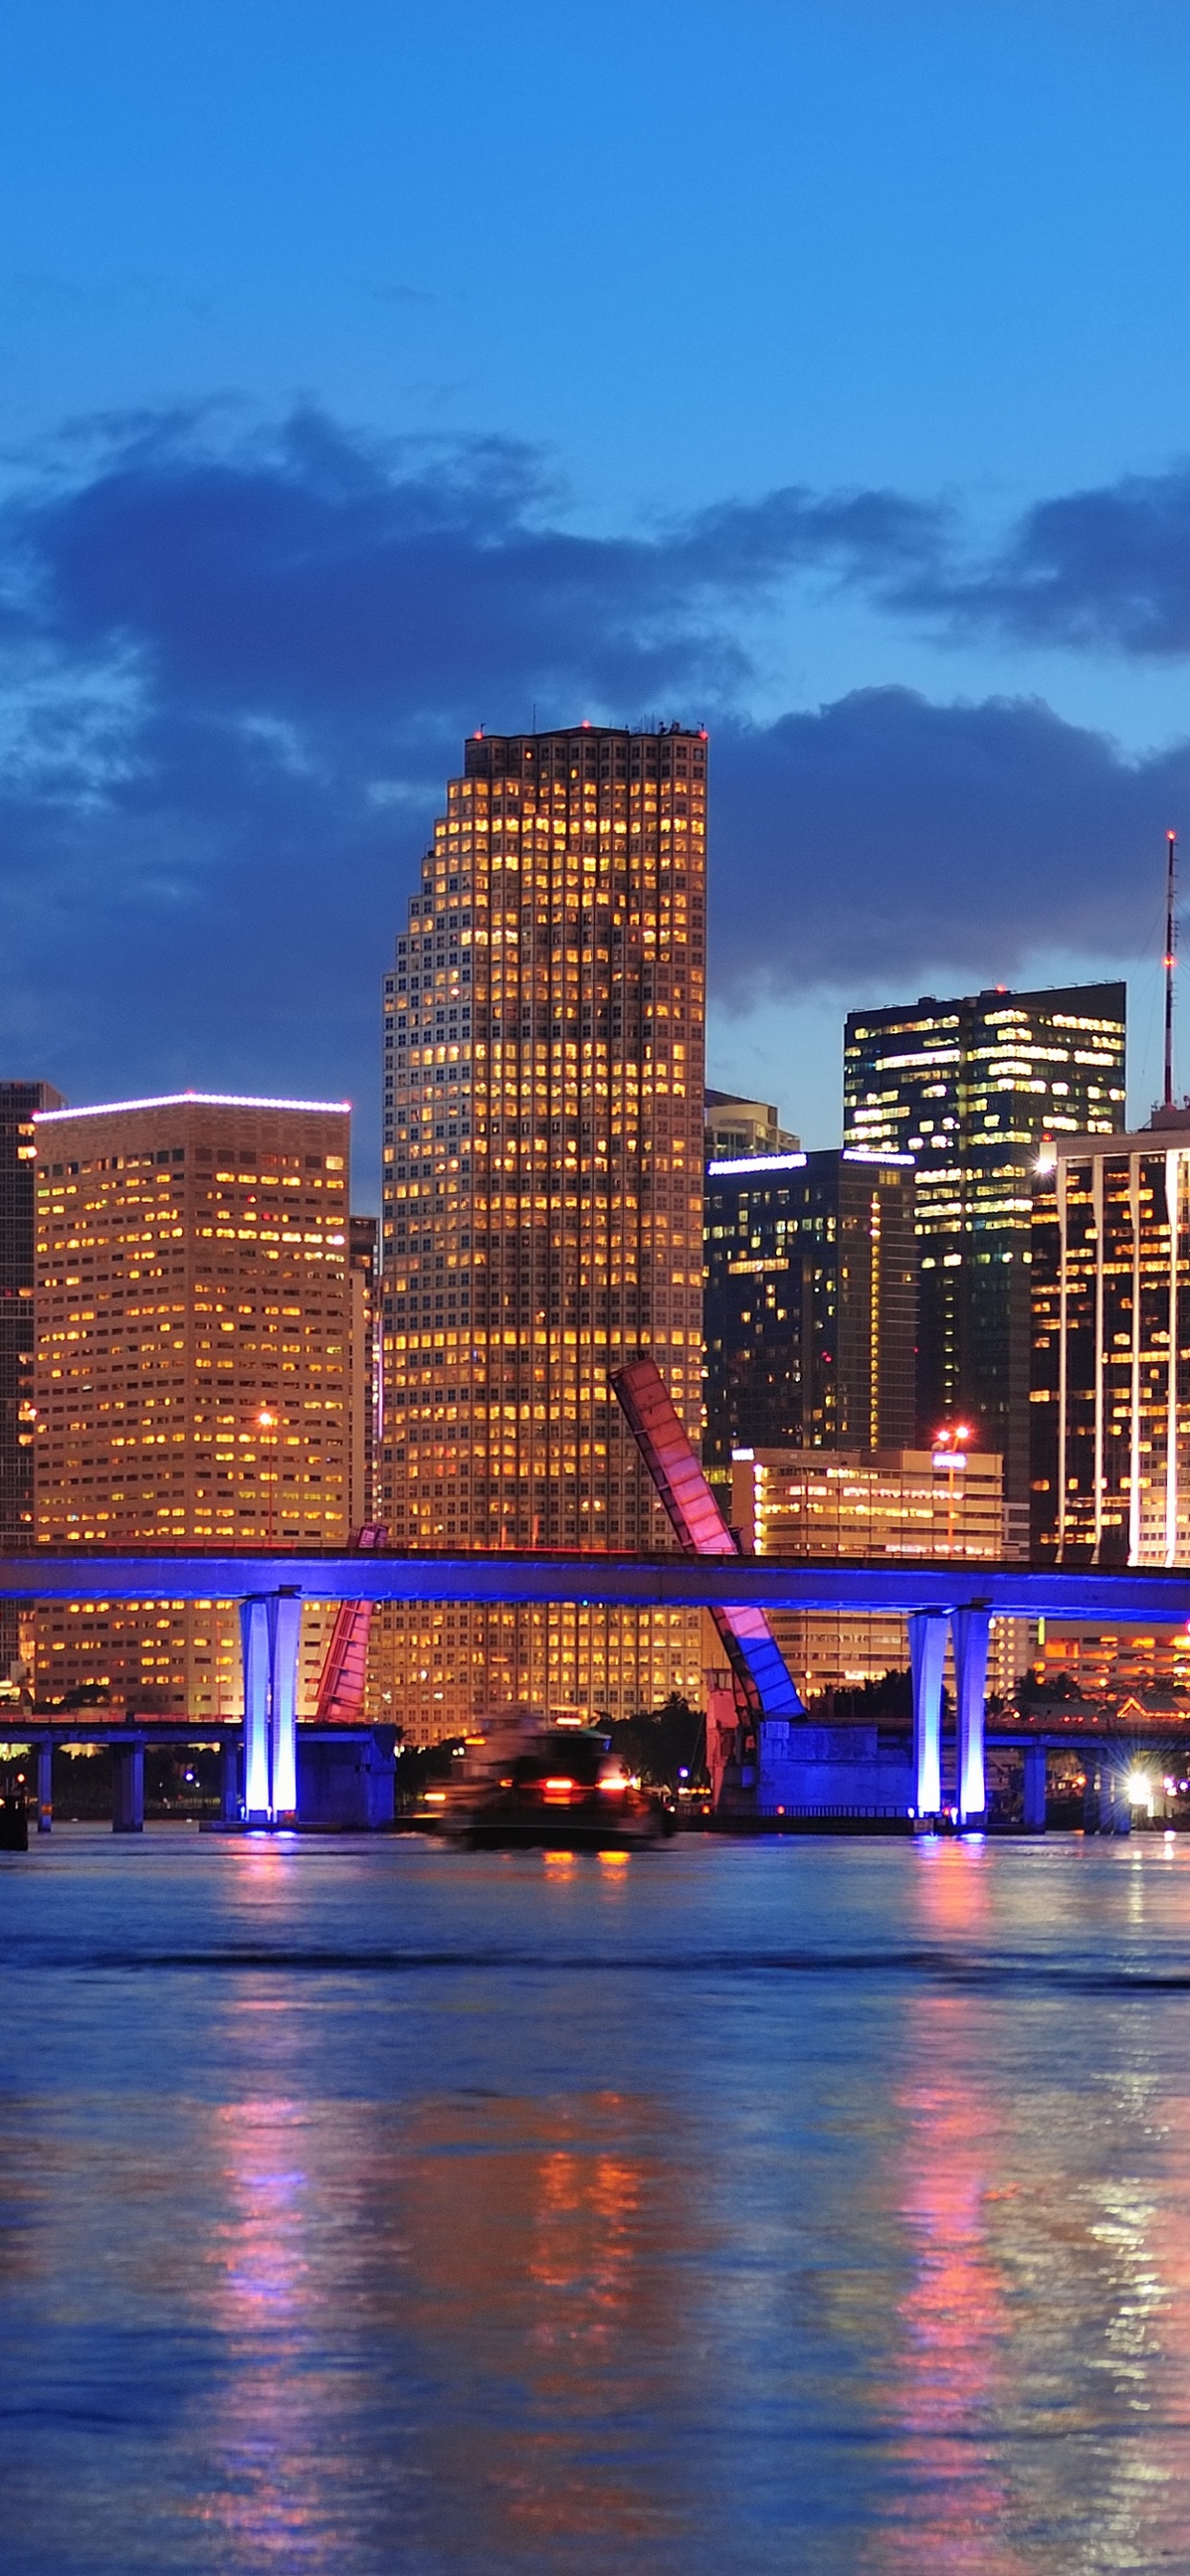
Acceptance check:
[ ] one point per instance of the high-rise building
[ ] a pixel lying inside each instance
(865, 1504)
(19, 1102)
(543, 1200)
(363, 1503)
(192, 1370)
(1111, 1357)
(971, 1088)
(810, 1307)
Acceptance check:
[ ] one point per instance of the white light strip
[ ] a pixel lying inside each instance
(759, 1163)
(873, 1154)
(195, 1099)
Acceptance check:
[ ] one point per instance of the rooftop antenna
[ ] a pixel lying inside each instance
(1171, 843)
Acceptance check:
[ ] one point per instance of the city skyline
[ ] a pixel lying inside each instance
(286, 512)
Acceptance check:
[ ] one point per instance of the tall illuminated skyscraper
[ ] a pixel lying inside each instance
(970, 1088)
(543, 1199)
(193, 1317)
(1111, 1348)
(19, 1102)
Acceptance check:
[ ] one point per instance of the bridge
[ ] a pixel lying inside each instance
(934, 1597)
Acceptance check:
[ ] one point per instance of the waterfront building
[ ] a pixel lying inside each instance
(810, 1306)
(863, 1504)
(543, 1201)
(191, 1376)
(19, 1102)
(1111, 1347)
(363, 1503)
(971, 1088)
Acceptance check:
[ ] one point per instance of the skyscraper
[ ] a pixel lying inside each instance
(970, 1088)
(810, 1309)
(1111, 1359)
(543, 1198)
(19, 1101)
(191, 1371)
(363, 1502)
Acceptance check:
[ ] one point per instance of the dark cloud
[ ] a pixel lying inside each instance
(884, 837)
(1105, 570)
(238, 670)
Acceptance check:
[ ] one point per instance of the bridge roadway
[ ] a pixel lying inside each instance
(932, 1596)
(661, 1581)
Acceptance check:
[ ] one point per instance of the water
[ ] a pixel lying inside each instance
(794, 2206)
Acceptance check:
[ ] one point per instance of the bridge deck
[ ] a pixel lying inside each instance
(665, 1581)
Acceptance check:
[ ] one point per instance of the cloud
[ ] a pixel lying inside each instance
(238, 667)
(885, 836)
(1101, 570)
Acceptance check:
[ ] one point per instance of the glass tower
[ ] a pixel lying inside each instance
(971, 1088)
(810, 1315)
(543, 1071)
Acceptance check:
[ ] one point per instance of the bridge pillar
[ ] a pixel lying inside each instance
(229, 1782)
(969, 1631)
(927, 1651)
(270, 1630)
(285, 1632)
(45, 1785)
(128, 1787)
(1035, 1782)
(254, 1639)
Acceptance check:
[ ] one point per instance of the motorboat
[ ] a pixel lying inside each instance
(524, 1782)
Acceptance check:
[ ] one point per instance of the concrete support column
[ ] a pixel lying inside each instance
(285, 1633)
(969, 1631)
(254, 1637)
(927, 1651)
(229, 1783)
(45, 1785)
(128, 1787)
(1035, 1770)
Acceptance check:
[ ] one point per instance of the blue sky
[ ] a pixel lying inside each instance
(366, 373)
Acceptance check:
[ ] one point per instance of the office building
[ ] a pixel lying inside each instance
(865, 1504)
(735, 1126)
(1111, 1348)
(543, 1200)
(363, 1502)
(191, 1387)
(810, 1311)
(19, 1102)
(971, 1088)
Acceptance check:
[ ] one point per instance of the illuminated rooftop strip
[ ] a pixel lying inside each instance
(193, 1099)
(757, 1163)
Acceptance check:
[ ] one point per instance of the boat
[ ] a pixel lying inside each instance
(14, 1821)
(526, 1784)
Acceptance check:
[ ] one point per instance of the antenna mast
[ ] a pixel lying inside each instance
(1171, 840)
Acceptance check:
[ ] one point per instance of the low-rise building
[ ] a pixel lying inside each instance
(863, 1504)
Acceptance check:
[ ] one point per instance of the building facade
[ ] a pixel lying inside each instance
(192, 1357)
(736, 1126)
(19, 1104)
(972, 1088)
(865, 1504)
(1111, 1348)
(363, 1502)
(543, 1200)
(810, 1307)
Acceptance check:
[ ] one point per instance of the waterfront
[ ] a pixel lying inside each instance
(801, 2205)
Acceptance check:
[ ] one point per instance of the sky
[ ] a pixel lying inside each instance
(368, 373)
